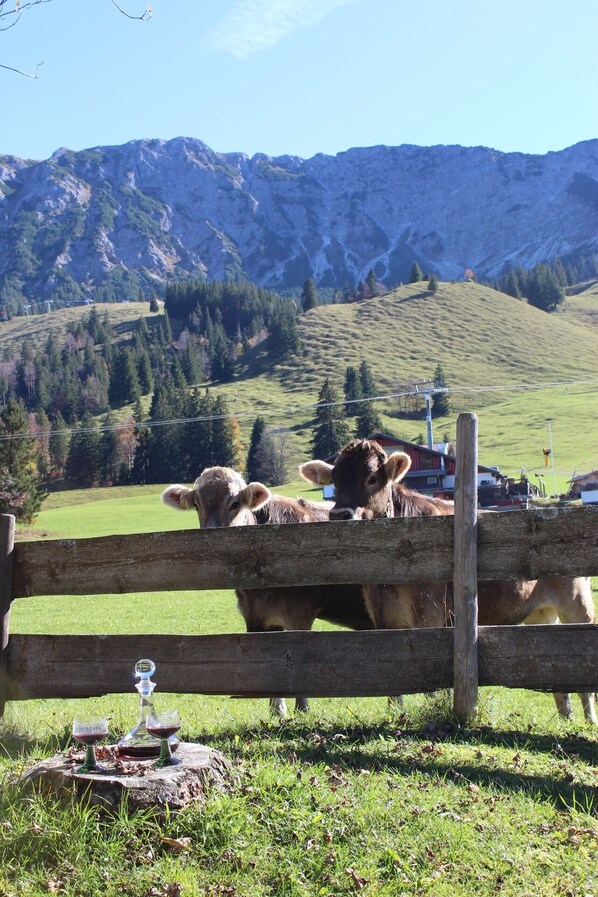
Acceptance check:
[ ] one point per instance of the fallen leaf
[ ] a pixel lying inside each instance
(176, 843)
(358, 880)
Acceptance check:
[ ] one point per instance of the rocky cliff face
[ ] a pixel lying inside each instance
(119, 217)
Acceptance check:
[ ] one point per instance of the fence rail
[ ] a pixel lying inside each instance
(466, 548)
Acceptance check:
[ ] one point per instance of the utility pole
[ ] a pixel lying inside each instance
(549, 421)
(428, 397)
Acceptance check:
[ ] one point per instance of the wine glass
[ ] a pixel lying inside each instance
(163, 725)
(88, 730)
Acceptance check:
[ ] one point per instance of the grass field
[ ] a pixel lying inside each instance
(351, 798)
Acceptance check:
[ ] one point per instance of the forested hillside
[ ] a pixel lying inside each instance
(121, 395)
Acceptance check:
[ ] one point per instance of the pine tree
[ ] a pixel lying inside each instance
(197, 436)
(353, 391)
(257, 431)
(331, 432)
(368, 421)
(442, 404)
(284, 335)
(141, 460)
(371, 283)
(109, 451)
(416, 274)
(309, 295)
(83, 462)
(20, 482)
(511, 285)
(43, 444)
(433, 284)
(165, 461)
(222, 450)
(543, 289)
(59, 444)
(368, 384)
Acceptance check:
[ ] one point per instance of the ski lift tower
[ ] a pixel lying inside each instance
(427, 390)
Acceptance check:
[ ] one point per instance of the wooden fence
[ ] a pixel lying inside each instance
(466, 548)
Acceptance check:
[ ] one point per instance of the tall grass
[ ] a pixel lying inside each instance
(353, 797)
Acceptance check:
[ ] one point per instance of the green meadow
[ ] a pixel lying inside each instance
(354, 797)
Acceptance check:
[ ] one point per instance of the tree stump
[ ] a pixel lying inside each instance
(136, 782)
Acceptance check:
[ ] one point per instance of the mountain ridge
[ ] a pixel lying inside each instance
(109, 221)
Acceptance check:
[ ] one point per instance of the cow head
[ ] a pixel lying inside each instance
(220, 496)
(363, 475)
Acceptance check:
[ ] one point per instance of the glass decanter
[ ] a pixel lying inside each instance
(138, 744)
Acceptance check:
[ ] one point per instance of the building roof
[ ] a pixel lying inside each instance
(424, 448)
(583, 476)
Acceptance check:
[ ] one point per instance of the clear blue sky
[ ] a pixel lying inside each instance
(302, 76)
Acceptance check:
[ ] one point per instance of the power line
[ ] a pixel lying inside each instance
(290, 409)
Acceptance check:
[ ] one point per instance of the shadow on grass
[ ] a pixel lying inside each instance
(408, 750)
(14, 746)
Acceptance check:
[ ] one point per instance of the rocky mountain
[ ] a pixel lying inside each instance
(109, 220)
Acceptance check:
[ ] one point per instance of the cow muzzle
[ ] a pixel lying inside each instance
(343, 514)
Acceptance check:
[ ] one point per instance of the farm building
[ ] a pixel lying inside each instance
(432, 472)
(585, 486)
(583, 482)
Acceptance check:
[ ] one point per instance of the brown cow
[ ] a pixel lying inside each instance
(221, 497)
(368, 485)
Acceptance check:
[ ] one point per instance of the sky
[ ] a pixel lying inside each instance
(300, 77)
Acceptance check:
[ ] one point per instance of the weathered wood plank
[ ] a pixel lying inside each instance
(521, 543)
(541, 542)
(319, 664)
(465, 698)
(7, 538)
(272, 663)
(551, 658)
(251, 557)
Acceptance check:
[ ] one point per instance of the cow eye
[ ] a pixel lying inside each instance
(372, 479)
(234, 505)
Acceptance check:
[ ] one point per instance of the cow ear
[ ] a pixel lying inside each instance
(179, 497)
(317, 472)
(397, 466)
(255, 496)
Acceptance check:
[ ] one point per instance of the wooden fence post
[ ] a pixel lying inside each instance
(7, 541)
(465, 574)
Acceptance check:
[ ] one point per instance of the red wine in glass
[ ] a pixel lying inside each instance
(163, 725)
(88, 731)
(162, 731)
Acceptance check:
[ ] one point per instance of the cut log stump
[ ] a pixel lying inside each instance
(136, 782)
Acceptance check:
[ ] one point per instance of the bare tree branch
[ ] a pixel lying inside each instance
(34, 74)
(17, 7)
(147, 14)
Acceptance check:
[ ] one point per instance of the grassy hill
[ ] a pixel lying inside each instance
(36, 328)
(513, 365)
(499, 355)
